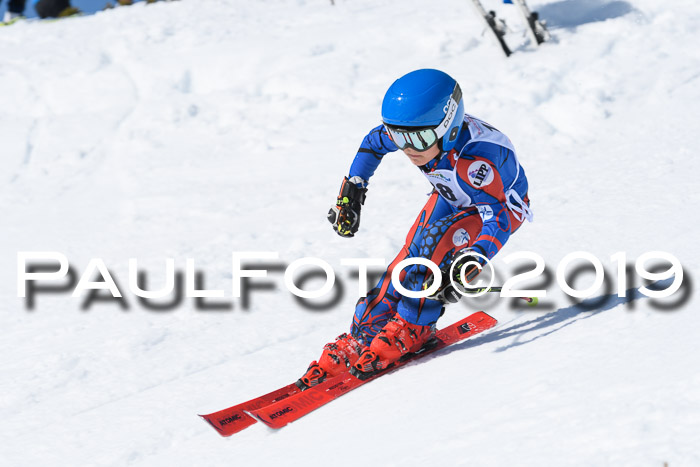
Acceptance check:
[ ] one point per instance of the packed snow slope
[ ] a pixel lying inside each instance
(194, 129)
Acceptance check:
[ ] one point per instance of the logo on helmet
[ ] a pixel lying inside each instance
(449, 110)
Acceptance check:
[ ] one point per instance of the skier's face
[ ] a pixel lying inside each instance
(422, 158)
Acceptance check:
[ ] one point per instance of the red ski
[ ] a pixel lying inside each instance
(235, 419)
(289, 409)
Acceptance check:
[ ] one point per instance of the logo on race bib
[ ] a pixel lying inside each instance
(480, 174)
(460, 237)
(485, 212)
(438, 175)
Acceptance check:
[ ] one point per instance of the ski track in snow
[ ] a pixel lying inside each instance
(194, 129)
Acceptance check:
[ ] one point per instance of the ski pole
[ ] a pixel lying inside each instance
(531, 301)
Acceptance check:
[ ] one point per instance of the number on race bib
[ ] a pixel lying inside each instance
(446, 192)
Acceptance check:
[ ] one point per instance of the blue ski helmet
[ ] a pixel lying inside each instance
(428, 99)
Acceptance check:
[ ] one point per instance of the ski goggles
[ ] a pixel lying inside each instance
(423, 138)
(420, 139)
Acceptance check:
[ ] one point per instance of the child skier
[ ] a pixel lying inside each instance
(479, 200)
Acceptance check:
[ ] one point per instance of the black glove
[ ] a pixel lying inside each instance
(345, 215)
(450, 286)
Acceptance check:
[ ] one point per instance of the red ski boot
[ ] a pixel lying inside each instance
(337, 357)
(396, 339)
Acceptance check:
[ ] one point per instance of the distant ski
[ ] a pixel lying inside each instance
(495, 25)
(294, 407)
(536, 29)
(22, 19)
(12, 21)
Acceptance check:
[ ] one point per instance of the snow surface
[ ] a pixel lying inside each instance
(197, 128)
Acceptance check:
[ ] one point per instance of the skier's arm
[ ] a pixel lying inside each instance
(491, 202)
(373, 148)
(495, 232)
(345, 215)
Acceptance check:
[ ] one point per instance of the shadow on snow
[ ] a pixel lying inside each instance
(554, 321)
(572, 13)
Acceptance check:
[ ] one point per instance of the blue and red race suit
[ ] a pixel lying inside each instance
(479, 200)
